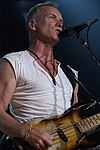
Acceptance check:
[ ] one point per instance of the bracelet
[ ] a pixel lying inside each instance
(27, 134)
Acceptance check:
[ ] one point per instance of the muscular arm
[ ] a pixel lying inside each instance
(8, 124)
(7, 86)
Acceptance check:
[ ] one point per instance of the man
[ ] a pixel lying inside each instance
(33, 82)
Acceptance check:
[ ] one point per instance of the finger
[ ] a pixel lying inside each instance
(37, 146)
(48, 140)
(42, 145)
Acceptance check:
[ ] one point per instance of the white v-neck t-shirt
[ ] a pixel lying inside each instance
(35, 94)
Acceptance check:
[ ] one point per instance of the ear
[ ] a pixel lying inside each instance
(32, 25)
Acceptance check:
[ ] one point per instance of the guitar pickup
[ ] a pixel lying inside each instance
(62, 135)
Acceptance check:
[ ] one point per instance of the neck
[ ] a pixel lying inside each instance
(43, 50)
(47, 61)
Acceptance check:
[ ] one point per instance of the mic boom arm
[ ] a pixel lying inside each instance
(85, 44)
(76, 29)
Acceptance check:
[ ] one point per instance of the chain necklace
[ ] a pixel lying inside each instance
(52, 76)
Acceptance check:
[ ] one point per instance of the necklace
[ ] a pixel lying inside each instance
(52, 76)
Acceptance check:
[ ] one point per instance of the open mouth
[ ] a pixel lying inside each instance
(58, 31)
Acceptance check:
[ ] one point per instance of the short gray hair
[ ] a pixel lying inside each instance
(32, 13)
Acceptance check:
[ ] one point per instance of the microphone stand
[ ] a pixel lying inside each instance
(85, 44)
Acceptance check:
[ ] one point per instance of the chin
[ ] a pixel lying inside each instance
(57, 40)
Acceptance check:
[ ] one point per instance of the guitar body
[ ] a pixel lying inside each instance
(66, 129)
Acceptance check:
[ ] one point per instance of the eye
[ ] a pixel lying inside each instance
(52, 17)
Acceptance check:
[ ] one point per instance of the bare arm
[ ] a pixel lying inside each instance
(7, 87)
(8, 124)
(75, 94)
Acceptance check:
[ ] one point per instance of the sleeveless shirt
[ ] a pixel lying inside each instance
(35, 94)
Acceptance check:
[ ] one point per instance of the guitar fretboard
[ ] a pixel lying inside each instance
(89, 123)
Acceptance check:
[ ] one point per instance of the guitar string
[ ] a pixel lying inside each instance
(64, 128)
(68, 141)
(92, 120)
(68, 135)
(68, 128)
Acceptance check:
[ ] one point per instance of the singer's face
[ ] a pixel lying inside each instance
(49, 24)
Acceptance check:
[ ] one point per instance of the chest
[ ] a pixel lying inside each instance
(37, 79)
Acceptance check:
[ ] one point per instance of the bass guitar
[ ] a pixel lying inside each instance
(71, 129)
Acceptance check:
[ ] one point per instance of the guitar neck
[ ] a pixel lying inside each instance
(89, 123)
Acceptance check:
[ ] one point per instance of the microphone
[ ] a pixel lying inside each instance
(76, 29)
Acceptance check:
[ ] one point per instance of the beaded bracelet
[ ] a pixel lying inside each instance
(27, 134)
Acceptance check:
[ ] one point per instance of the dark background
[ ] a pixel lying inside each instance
(14, 37)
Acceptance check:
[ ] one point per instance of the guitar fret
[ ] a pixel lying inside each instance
(96, 123)
(81, 126)
(98, 118)
(84, 124)
(92, 121)
(88, 123)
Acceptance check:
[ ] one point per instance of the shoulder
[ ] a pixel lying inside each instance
(13, 61)
(14, 55)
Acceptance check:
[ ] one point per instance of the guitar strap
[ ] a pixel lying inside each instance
(73, 79)
(70, 74)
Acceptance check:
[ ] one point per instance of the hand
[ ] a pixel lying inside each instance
(39, 139)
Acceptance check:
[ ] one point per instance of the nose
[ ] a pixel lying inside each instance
(59, 24)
